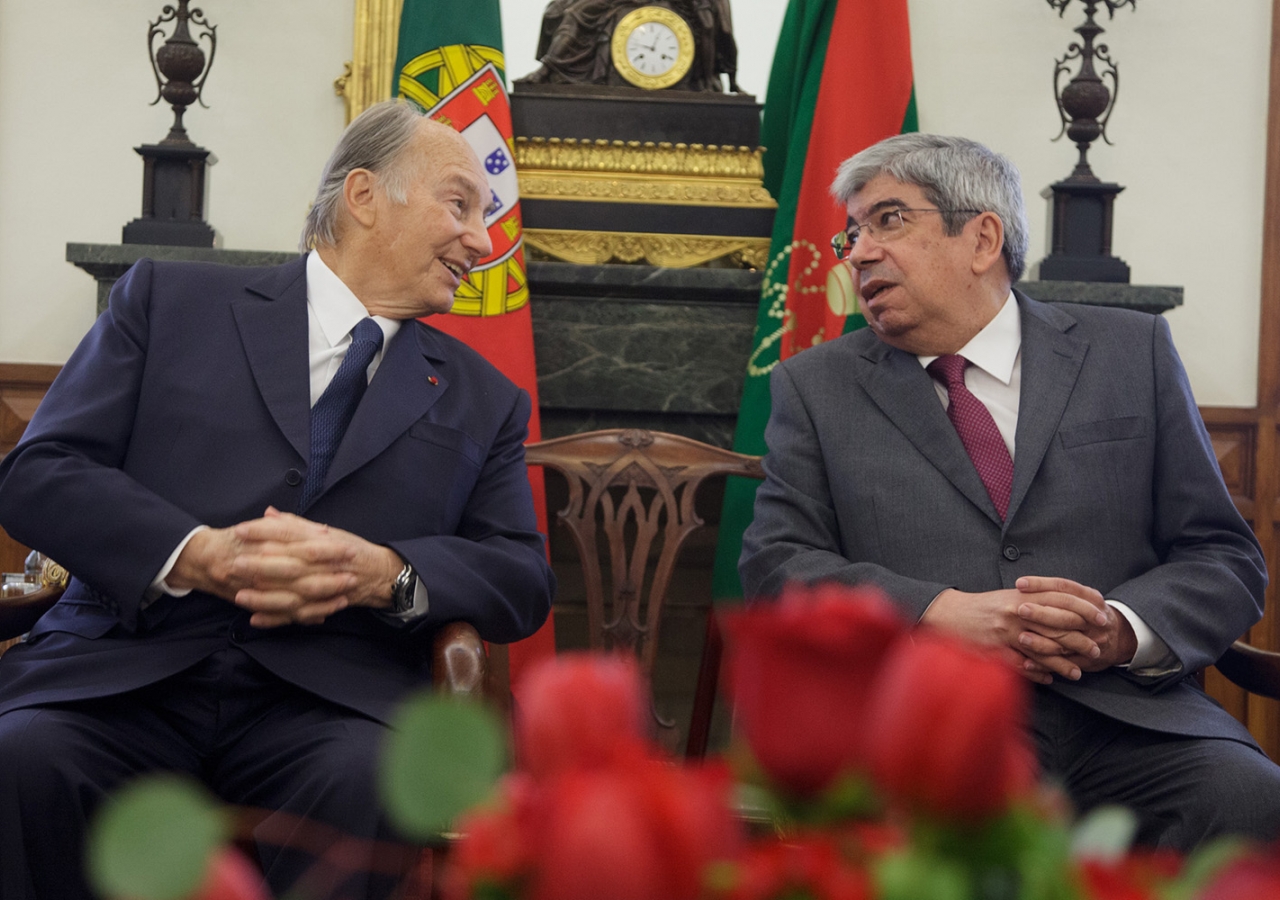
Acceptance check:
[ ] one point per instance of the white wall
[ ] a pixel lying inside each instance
(1190, 139)
(1190, 123)
(74, 87)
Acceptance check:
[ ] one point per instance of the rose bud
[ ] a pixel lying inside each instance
(800, 673)
(948, 725)
(579, 711)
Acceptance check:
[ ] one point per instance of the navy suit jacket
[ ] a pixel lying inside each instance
(188, 403)
(1115, 485)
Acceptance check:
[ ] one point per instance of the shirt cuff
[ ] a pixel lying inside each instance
(158, 587)
(1153, 656)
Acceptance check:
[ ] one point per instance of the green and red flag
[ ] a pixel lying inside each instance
(841, 81)
(449, 61)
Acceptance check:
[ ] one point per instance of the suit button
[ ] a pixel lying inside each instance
(293, 478)
(1011, 552)
(237, 633)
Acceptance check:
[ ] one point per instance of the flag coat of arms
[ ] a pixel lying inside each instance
(449, 61)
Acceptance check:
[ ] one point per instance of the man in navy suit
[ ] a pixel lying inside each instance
(1033, 477)
(246, 607)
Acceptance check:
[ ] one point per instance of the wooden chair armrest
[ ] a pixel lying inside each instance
(458, 663)
(1257, 671)
(18, 614)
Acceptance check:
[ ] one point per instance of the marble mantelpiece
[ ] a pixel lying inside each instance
(627, 345)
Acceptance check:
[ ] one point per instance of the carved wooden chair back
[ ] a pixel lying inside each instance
(631, 493)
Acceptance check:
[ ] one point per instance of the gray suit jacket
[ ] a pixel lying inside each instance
(1115, 486)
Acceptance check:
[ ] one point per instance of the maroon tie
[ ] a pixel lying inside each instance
(977, 431)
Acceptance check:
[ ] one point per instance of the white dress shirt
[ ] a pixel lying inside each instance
(332, 312)
(995, 378)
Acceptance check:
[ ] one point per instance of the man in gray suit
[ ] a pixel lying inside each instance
(1033, 477)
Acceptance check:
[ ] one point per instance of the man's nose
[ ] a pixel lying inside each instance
(476, 238)
(865, 250)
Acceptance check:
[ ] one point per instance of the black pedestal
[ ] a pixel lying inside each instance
(172, 197)
(667, 177)
(597, 112)
(1082, 211)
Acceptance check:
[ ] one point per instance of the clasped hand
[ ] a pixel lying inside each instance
(1043, 626)
(286, 569)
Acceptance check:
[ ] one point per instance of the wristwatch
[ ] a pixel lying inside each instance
(403, 589)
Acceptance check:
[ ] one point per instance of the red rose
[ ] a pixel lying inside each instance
(865, 840)
(1248, 878)
(800, 673)
(579, 711)
(495, 847)
(805, 866)
(646, 832)
(948, 726)
(694, 817)
(1140, 875)
(231, 876)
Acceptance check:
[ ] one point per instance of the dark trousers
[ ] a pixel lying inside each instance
(1184, 790)
(254, 740)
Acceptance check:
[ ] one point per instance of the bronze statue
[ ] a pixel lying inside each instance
(574, 44)
(717, 50)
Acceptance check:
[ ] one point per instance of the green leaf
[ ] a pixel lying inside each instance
(1044, 864)
(851, 796)
(755, 803)
(1205, 864)
(153, 839)
(1017, 854)
(913, 875)
(1105, 834)
(443, 757)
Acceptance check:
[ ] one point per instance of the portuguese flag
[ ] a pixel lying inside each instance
(841, 81)
(449, 61)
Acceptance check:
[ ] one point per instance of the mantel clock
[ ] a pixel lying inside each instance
(652, 47)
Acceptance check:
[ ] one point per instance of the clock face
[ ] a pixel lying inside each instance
(653, 48)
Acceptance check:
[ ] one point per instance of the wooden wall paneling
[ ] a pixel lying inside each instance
(1264, 716)
(1234, 436)
(1247, 441)
(22, 387)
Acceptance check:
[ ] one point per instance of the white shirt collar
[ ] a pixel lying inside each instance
(335, 308)
(995, 348)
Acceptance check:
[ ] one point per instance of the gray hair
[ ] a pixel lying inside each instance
(375, 140)
(954, 173)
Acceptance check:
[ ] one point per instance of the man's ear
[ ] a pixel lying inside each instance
(988, 241)
(359, 194)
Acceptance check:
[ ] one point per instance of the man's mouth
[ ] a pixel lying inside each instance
(872, 288)
(458, 269)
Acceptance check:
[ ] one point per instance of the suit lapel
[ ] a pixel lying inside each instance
(1051, 361)
(904, 392)
(400, 394)
(273, 330)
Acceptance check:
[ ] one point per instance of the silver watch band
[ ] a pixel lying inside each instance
(402, 590)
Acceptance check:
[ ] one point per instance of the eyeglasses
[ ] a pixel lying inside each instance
(887, 225)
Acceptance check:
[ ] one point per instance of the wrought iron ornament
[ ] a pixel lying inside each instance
(179, 64)
(1085, 102)
(173, 174)
(1083, 205)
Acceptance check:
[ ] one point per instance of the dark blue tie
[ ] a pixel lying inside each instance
(333, 411)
